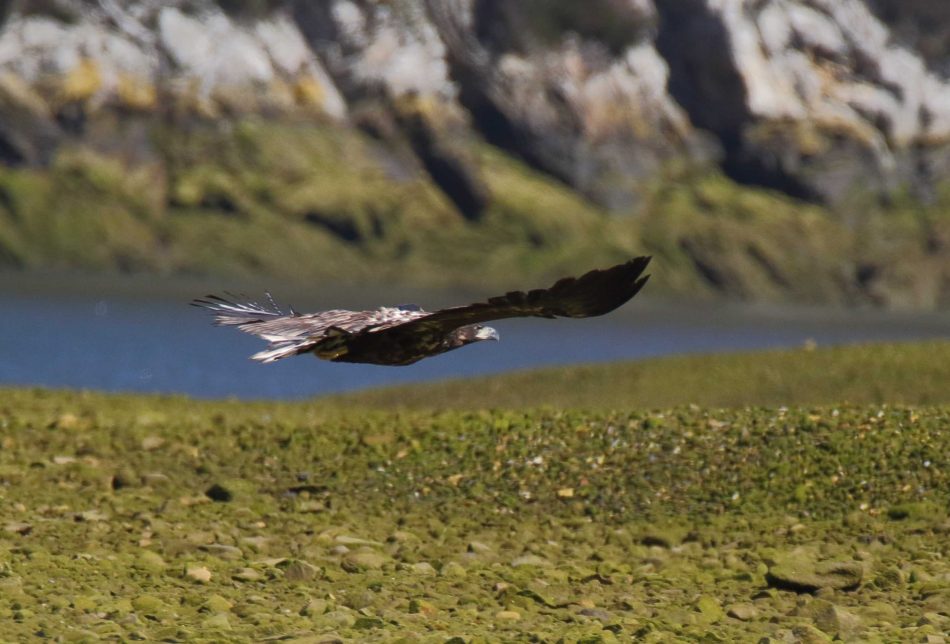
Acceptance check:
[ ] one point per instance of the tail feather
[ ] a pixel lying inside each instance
(278, 351)
(287, 333)
(235, 313)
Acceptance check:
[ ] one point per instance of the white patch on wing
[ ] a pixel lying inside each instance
(387, 317)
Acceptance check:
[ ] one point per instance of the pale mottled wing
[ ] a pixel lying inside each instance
(270, 323)
(594, 293)
(294, 333)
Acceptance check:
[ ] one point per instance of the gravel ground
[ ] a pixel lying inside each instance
(165, 519)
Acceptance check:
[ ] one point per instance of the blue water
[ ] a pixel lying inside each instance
(122, 339)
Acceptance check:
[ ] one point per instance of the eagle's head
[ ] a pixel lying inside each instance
(471, 333)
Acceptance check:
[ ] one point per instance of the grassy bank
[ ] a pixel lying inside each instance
(136, 517)
(909, 373)
(311, 202)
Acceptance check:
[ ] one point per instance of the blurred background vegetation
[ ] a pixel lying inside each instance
(438, 142)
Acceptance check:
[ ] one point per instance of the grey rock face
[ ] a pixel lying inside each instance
(922, 26)
(821, 98)
(594, 114)
(392, 47)
(812, 96)
(122, 53)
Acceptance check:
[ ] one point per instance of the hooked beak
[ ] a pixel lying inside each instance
(487, 333)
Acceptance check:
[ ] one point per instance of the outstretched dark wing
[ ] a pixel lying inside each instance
(403, 335)
(594, 293)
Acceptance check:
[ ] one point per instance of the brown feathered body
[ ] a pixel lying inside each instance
(404, 335)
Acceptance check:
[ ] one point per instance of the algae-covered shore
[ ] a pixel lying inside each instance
(135, 517)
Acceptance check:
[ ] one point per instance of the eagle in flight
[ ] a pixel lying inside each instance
(403, 335)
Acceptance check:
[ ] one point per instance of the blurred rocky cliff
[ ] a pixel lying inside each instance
(836, 103)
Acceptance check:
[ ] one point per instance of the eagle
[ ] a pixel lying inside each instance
(402, 335)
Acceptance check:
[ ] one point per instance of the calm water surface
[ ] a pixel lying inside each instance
(141, 336)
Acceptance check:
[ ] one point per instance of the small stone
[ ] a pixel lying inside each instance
(367, 623)
(742, 612)
(69, 422)
(566, 493)
(920, 576)
(377, 440)
(274, 561)
(199, 574)
(155, 479)
(662, 537)
(247, 574)
(423, 568)
(880, 612)
(454, 570)
(58, 602)
(709, 609)
(150, 561)
(797, 571)
(890, 577)
(356, 541)
(22, 614)
(314, 607)
(363, 560)
(542, 594)
(219, 493)
(84, 604)
(217, 604)
(596, 613)
(257, 544)
(402, 536)
(18, 527)
(362, 602)
(91, 516)
(340, 618)
(422, 606)
(808, 634)
(149, 606)
(125, 478)
(933, 619)
(117, 608)
(530, 560)
(311, 506)
(831, 619)
(916, 511)
(508, 616)
(219, 621)
(152, 443)
(300, 571)
(222, 551)
(479, 548)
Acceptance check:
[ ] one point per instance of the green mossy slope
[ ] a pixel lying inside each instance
(309, 201)
(909, 373)
(134, 517)
(149, 518)
(297, 202)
